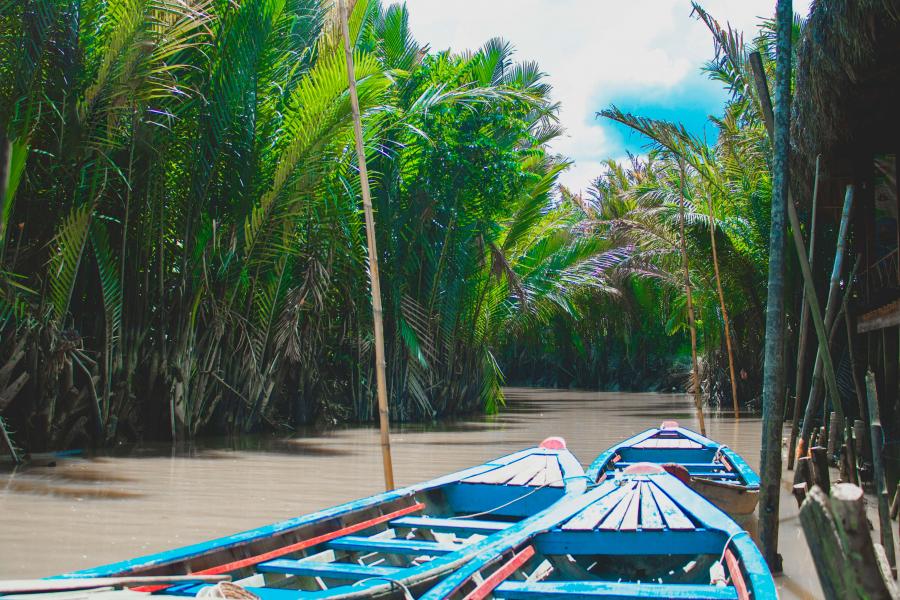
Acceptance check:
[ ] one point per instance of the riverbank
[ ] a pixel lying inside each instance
(92, 510)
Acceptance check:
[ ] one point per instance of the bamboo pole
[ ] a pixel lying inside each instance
(803, 338)
(698, 402)
(831, 310)
(715, 257)
(383, 414)
(773, 370)
(881, 493)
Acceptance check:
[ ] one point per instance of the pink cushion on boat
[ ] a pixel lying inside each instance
(644, 468)
(669, 425)
(554, 443)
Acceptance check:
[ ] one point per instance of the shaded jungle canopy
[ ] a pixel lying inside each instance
(181, 241)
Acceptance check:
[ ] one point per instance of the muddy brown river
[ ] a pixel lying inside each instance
(90, 510)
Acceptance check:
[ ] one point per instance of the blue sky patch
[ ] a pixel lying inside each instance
(690, 102)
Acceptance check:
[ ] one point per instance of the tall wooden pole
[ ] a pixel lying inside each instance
(773, 373)
(715, 257)
(698, 402)
(383, 415)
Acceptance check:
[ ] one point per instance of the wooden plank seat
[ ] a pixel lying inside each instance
(607, 590)
(361, 544)
(536, 470)
(331, 570)
(636, 505)
(465, 526)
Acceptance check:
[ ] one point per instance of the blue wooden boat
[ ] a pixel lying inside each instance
(641, 534)
(712, 469)
(389, 545)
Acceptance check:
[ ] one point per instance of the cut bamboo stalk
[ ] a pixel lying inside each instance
(803, 338)
(698, 402)
(881, 493)
(380, 364)
(725, 322)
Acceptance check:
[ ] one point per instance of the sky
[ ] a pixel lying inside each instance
(644, 56)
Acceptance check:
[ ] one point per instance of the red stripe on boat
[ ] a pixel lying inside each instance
(499, 576)
(296, 547)
(737, 578)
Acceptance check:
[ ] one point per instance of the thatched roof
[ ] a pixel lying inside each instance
(847, 99)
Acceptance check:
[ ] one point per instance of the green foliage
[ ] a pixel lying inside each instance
(182, 246)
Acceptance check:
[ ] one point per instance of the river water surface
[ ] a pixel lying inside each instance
(91, 510)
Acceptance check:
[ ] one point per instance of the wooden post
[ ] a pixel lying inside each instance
(698, 402)
(803, 338)
(725, 322)
(881, 493)
(848, 563)
(805, 470)
(850, 451)
(799, 491)
(864, 558)
(380, 375)
(861, 447)
(825, 545)
(834, 429)
(821, 476)
(773, 370)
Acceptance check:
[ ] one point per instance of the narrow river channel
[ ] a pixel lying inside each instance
(90, 510)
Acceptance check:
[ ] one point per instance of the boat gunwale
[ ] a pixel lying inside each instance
(749, 479)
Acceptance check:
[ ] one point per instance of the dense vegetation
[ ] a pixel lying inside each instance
(181, 245)
(182, 248)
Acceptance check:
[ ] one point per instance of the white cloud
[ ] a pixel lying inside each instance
(590, 49)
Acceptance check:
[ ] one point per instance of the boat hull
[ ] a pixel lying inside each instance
(737, 501)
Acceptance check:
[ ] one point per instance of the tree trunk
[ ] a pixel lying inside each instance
(773, 374)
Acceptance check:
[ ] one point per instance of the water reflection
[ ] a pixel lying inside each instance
(91, 510)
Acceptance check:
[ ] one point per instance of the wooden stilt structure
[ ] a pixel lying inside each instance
(380, 375)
